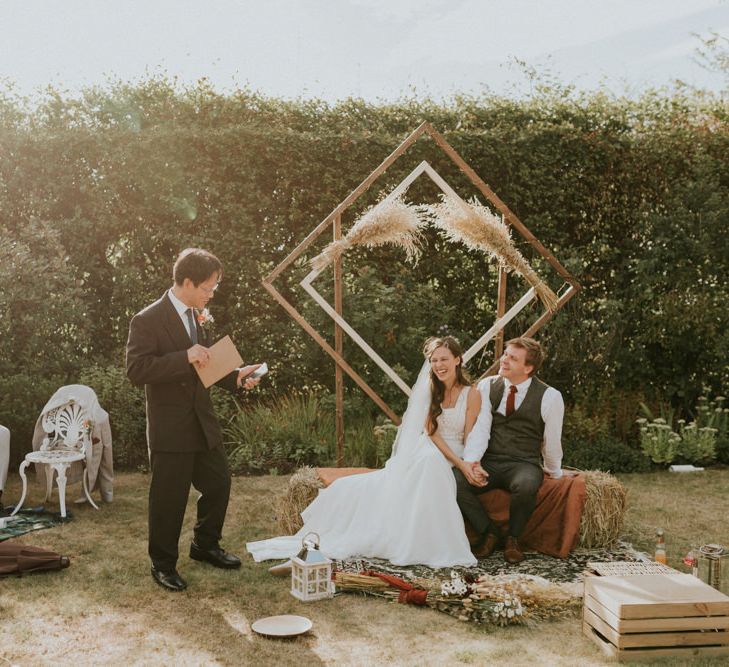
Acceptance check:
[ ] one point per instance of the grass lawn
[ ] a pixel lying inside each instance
(106, 609)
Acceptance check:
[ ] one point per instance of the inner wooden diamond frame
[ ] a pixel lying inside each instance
(334, 218)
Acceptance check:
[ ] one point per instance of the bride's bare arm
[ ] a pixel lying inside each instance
(446, 450)
(477, 475)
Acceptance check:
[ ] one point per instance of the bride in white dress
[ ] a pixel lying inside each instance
(406, 512)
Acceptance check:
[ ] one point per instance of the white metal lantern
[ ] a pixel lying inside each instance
(311, 572)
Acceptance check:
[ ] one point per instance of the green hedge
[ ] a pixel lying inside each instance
(98, 194)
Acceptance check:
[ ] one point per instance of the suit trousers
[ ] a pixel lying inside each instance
(520, 478)
(172, 474)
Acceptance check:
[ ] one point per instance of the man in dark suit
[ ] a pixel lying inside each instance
(183, 434)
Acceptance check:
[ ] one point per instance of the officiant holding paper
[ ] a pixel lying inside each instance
(167, 350)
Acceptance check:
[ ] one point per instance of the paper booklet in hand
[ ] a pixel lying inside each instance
(224, 359)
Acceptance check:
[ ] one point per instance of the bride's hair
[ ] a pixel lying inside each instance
(437, 388)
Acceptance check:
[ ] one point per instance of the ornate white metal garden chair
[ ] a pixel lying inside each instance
(69, 439)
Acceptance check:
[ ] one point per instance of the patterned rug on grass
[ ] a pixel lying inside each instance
(35, 518)
(540, 588)
(556, 570)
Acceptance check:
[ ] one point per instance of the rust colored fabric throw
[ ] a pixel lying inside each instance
(554, 527)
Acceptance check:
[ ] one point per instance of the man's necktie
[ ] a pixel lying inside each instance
(511, 400)
(193, 328)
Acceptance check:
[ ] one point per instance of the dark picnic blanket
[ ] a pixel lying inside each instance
(557, 570)
(27, 520)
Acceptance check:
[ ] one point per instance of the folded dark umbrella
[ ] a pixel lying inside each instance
(21, 558)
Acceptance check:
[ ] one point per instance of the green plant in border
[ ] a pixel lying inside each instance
(698, 443)
(711, 413)
(281, 435)
(658, 440)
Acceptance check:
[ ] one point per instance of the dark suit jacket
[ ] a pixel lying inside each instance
(176, 399)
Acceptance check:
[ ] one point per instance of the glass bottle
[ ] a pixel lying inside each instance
(660, 547)
(692, 561)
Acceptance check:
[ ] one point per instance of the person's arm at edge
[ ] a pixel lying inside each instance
(477, 441)
(553, 416)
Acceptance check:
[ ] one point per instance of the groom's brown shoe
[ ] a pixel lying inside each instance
(486, 548)
(512, 553)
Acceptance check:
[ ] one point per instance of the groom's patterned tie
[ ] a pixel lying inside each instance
(511, 400)
(193, 328)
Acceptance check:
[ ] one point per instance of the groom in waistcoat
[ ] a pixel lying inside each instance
(166, 341)
(515, 441)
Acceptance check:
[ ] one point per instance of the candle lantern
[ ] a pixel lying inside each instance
(713, 566)
(311, 572)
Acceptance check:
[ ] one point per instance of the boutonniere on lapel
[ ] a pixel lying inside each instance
(204, 318)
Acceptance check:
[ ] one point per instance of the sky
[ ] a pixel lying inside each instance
(374, 49)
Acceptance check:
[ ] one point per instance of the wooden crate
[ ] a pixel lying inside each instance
(647, 616)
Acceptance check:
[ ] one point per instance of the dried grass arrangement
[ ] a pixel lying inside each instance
(391, 221)
(474, 225)
(496, 600)
(302, 488)
(604, 511)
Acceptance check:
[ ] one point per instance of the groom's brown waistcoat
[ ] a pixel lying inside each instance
(519, 436)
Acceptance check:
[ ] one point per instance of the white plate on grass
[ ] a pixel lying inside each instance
(282, 626)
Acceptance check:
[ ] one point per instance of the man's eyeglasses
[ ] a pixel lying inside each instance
(208, 290)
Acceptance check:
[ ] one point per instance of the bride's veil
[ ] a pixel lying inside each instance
(413, 421)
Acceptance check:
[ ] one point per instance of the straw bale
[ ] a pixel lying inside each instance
(605, 507)
(303, 487)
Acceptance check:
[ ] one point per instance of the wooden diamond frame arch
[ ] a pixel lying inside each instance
(340, 325)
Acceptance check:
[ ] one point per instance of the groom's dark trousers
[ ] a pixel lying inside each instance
(512, 461)
(183, 434)
(521, 479)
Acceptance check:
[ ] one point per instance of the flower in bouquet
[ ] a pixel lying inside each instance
(508, 610)
(204, 318)
(456, 586)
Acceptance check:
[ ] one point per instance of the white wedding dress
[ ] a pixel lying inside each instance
(405, 513)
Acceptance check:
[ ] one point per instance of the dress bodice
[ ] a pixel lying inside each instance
(452, 422)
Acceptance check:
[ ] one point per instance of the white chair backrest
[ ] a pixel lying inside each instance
(68, 426)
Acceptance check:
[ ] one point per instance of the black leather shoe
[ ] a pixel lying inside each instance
(169, 579)
(215, 556)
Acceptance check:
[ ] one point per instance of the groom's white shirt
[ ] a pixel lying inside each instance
(552, 410)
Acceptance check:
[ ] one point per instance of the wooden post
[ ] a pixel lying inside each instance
(339, 348)
(500, 310)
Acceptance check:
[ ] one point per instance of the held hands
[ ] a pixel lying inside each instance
(474, 473)
(199, 355)
(244, 372)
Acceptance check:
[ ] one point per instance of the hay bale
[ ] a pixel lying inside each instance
(605, 506)
(303, 487)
